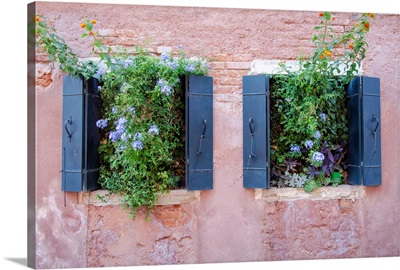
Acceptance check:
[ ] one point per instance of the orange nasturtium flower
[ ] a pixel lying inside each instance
(327, 53)
(93, 21)
(321, 14)
(37, 18)
(351, 46)
(366, 25)
(356, 23)
(83, 25)
(371, 15)
(105, 141)
(91, 33)
(275, 147)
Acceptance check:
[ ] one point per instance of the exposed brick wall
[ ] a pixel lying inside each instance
(311, 230)
(171, 215)
(115, 239)
(227, 224)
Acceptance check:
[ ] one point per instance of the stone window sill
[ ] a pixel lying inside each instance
(177, 196)
(346, 192)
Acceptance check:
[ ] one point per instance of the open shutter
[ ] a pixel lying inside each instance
(92, 138)
(199, 132)
(80, 135)
(256, 145)
(72, 135)
(363, 108)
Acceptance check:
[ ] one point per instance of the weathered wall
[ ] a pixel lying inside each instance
(381, 208)
(227, 224)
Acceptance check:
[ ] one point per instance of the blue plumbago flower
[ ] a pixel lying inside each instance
(132, 110)
(317, 156)
(288, 99)
(168, 61)
(124, 137)
(190, 68)
(99, 88)
(295, 148)
(114, 135)
(317, 134)
(127, 62)
(118, 62)
(114, 110)
(164, 87)
(137, 136)
(137, 145)
(161, 82)
(121, 124)
(309, 144)
(165, 56)
(167, 90)
(173, 64)
(101, 123)
(180, 47)
(153, 130)
(323, 116)
(99, 72)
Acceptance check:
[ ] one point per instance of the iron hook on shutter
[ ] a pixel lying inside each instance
(68, 122)
(251, 126)
(203, 135)
(251, 137)
(374, 119)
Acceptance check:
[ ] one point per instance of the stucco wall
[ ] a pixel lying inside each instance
(228, 223)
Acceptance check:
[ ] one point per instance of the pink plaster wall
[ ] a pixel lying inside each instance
(227, 224)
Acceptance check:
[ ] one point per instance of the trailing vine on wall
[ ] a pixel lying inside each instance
(142, 127)
(309, 125)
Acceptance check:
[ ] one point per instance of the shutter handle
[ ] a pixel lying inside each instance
(251, 126)
(204, 128)
(68, 121)
(374, 119)
(251, 137)
(202, 135)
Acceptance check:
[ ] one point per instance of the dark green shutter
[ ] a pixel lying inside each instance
(199, 132)
(256, 169)
(80, 135)
(363, 108)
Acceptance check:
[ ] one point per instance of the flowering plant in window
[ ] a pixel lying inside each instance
(142, 126)
(143, 146)
(309, 126)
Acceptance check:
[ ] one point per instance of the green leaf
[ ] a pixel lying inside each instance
(327, 15)
(89, 25)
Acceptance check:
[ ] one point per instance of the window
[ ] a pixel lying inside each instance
(80, 136)
(363, 104)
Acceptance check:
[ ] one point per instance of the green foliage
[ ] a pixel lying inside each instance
(311, 185)
(308, 105)
(58, 51)
(142, 128)
(144, 155)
